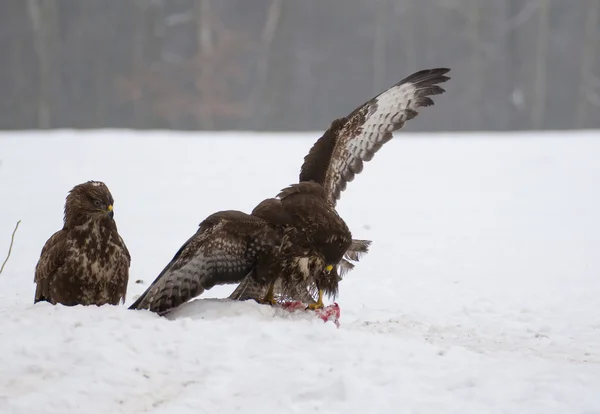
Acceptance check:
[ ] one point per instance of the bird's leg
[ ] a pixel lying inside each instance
(269, 297)
(319, 304)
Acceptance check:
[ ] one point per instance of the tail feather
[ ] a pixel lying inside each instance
(357, 249)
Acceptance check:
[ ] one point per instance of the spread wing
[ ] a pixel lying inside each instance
(339, 154)
(52, 258)
(222, 251)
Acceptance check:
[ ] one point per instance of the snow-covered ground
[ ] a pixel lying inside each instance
(481, 293)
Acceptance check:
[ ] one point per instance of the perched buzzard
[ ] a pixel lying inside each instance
(87, 262)
(296, 242)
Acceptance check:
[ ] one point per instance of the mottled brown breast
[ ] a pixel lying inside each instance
(325, 230)
(94, 267)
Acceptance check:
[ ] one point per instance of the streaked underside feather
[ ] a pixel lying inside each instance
(339, 155)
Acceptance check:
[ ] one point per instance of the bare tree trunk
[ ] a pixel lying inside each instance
(154, 47)
(262, 66)
(100, 78)
(42, 14)
(475, 67)
(205, 43)
(137, 59)
(537, 112)
(205, 35)
(409, 38)
(379, 55)
(588, 56)
(19, 84)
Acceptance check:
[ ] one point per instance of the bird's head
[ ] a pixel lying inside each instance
(88, 200)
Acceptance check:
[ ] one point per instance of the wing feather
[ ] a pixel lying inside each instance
(52, 257)
(339, 155)
(251, 289)
(223, 251)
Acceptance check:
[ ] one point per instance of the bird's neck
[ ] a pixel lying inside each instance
(100, 220)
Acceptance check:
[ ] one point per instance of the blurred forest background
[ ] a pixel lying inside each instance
(295, 64)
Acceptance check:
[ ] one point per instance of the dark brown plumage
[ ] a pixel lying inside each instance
(250, 289)
(340, 154)
(276, 243)
(295, 244)
(226, 248)
(86, 262)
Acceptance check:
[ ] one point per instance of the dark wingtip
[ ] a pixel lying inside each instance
(427, 77)
(438, 72)
(426, 81)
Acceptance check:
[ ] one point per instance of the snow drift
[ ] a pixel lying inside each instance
(480, 292)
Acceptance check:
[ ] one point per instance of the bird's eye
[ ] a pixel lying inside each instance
(97, 203)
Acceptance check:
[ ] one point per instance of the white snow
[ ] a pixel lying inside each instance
(481, 293)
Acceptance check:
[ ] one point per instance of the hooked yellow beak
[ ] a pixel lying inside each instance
(329, 268)
(111, 213)
(110, 208)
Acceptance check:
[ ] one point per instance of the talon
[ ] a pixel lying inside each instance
(267, 301)
(269, 297)
(319, 304)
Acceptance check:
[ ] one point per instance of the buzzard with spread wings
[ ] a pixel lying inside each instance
(86, 262)
(339, 155)
(296, 242)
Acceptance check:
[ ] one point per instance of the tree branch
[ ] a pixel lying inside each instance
(12, 240)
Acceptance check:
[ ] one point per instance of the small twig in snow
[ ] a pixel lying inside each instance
(12, 240)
